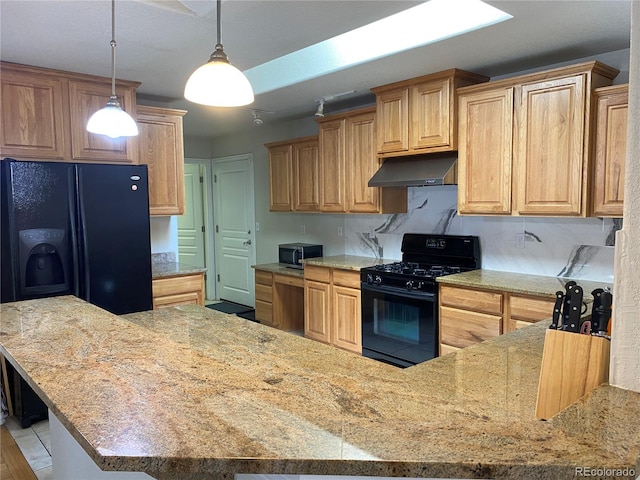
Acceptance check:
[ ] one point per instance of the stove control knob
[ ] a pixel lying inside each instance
(409, 285)
(369, 278)
(378, 280)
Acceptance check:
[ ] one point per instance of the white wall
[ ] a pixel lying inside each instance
(625, 335)
(164, 235)
(275, 227)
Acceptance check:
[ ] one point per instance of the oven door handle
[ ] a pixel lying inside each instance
(399, 292)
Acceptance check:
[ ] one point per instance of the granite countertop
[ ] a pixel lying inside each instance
(280, 269)
(173, 269)
(189, 392)
(535, 285)
(346, 262)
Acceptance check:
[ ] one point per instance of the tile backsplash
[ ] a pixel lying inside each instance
(564, 247)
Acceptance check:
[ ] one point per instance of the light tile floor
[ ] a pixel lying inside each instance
(35, 444)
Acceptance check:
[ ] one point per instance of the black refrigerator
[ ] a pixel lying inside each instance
(75, 229)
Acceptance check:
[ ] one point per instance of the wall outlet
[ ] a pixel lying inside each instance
(340, 230)
(520, 239)
(303, 229)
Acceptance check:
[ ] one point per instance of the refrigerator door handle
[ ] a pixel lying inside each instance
(84, 247)
(73, 221)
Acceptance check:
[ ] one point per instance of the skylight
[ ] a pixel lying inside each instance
(426, 23)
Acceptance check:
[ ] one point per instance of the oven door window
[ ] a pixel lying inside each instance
(399, 324)
(396, 320)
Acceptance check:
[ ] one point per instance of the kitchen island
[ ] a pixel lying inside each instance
(191, 393)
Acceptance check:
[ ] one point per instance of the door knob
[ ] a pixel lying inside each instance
(247, 243)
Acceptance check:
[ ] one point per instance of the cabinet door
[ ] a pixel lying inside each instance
(280, 171)
(550, 159)
(317, 311)
(306, 176)
(346, 332)
(610, 151)
(160, 145)
(430, 111)
(332, 165)
(34, 122)
(86, 98)
(392, 108)
(485, 152)
(363, 163)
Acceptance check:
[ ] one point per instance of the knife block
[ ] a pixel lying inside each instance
(572, 366)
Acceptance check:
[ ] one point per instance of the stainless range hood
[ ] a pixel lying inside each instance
(417, 171)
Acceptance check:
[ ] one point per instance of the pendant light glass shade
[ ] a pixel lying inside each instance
(112, 120)
(217, 83)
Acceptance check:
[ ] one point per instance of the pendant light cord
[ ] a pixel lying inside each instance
(113, 48)
(219, 9)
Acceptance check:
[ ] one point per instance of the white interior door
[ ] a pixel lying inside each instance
(234, 219)
(191, 234)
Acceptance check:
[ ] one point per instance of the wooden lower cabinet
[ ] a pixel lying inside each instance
(280, 300)
(469, 316)
(264, 297)
(179, 290)
(332, 310)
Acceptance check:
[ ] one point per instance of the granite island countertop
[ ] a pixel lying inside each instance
(188, 392)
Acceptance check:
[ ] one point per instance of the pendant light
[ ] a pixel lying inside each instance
(112, 120)
(217, 83)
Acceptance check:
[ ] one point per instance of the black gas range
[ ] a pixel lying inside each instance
(399, 299)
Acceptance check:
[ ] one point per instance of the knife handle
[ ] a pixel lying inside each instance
(557, 310)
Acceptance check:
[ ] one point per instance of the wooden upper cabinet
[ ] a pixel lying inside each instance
(361, 137)
(294, 175)
(545, 171)
(348, 160)
(45, 113)
(419, 115)
(431, 113)
(161, 148)
(485, 152)
(610, 150)
(86, 98)
(332, 165)
(280, 174)
(35, 123)
(550, 154)
(306, 176)
(392, 107)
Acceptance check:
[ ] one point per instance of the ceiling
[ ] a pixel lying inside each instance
(160, 43)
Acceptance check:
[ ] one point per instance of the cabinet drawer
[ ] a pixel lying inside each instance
(346, 278)
(289, 280)
(462, 328)
(174, 285)
(319, 274)
(189, 298)
(530, 309)
(264, 293)
(264, 278)
(264, 311)
(477, 300)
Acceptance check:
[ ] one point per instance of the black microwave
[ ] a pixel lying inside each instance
(292, 254)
